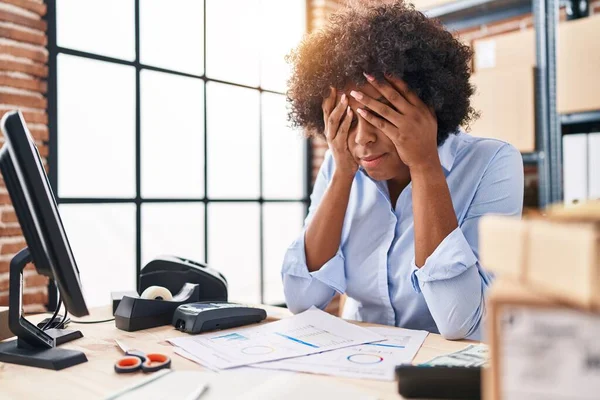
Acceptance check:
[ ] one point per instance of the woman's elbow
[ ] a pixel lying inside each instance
(300, 298)
(299, 303)
(295, 298)
(457, 330)
(452, 333)
(297, 307)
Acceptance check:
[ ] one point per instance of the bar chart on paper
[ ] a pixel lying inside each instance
(314, 337)
(310, 332)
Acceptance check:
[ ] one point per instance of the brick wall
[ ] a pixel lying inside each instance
(23, 70)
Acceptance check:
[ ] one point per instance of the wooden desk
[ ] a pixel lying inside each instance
(97, 379)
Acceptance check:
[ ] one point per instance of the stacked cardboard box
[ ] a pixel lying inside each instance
(504, 74)
(577, 65)
(543, 319)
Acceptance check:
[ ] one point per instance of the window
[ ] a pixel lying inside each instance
(169, 136)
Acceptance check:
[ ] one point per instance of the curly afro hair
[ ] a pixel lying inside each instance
(392, 39)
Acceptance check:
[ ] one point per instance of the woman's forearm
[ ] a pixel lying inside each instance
(323, 234)
(434, 216)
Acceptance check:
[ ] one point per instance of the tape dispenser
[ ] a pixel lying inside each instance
(159, 279)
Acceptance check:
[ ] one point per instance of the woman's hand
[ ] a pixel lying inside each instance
(409, 123)
(337, 118)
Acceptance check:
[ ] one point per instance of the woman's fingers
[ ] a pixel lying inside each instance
(383, 125)
(342, 133)
(396, 99)
(333, 121)
(378, 107)
(402, 87)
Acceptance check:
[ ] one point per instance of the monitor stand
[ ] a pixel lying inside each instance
(33, 346)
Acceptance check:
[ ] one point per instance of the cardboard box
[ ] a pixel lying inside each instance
(505, 51)
(502, 242)
(578, 60)
(558, 256)
(5, 333)
(564, 261)
(504, 77)
(578, 64)
(505, 98)
(538, 349)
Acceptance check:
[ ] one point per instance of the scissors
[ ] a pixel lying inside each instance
(135, 360)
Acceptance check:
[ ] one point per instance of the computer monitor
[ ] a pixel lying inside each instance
(47, 247)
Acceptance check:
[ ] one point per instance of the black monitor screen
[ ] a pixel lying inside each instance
(37, 211)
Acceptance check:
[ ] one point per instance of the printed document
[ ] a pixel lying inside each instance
(310, 332)
(368, 361)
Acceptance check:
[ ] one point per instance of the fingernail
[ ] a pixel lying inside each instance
(361, 111)
(343, 98)
(369, 77)
(349, 110)
(356, 95)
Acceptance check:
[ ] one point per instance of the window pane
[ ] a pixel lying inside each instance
(102, 237)
(234, 248)
(175, 229)
(172, 34)
(282, 27)
(284, 159)
(105, 27)
(96, 128)
(172, 143)
(233, 41)
(233, 145)
(282, 223)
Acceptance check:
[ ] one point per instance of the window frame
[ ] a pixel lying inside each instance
(54, 50)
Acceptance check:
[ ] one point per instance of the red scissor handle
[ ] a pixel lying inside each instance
(128, 364)
(156, 361)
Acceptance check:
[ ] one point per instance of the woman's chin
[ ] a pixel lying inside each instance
(378, 174)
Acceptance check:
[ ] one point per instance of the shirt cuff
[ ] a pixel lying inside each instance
(332, 273)
(452, 257)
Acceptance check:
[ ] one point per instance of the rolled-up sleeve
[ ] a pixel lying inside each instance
(452, 280)
(302, 288)
(451, 258)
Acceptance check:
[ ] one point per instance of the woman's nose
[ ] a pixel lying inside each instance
(365, 133)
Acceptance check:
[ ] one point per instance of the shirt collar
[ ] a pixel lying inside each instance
(447, 151)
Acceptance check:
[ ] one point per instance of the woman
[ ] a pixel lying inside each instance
(395, 207)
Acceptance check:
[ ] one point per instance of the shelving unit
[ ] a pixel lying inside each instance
(468, 13)
(580, 122)
(465, 14)
(580, 118)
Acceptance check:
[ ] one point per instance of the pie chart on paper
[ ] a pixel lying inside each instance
(364, 359)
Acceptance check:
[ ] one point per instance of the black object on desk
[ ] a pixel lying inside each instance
(192, 281)
(209, 316)
(172, 273)
(439, 382)
(135, 313)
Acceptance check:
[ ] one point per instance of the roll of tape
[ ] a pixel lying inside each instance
(157, 293)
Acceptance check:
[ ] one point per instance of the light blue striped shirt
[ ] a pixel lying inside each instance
(375, 263)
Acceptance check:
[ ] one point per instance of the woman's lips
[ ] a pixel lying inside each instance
(372, 161)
